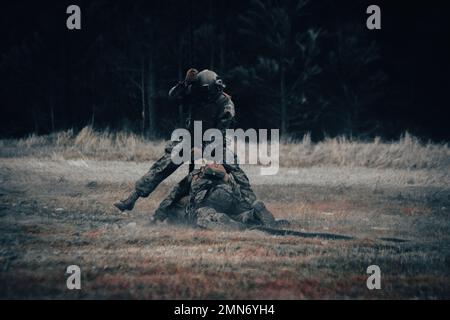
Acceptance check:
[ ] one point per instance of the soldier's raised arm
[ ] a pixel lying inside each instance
(180, 90)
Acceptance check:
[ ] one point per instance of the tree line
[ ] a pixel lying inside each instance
(291, 65)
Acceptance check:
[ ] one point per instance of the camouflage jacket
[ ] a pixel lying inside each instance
(221, 196)
(218, 113)
(198, 189)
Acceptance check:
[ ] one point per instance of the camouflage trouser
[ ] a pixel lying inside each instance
(164, 167)
(159, 171)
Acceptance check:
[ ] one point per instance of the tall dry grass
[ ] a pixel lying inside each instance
(88, 143)
(406, 153)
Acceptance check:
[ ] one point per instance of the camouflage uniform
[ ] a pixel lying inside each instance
(210, 199)
(164, 167)
(215, 111)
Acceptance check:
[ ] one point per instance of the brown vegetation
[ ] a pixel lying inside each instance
(406, 153)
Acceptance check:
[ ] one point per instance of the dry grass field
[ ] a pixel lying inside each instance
(392, 198)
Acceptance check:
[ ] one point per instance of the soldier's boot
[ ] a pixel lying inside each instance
(154, 220)
(128, 203)
(208, 218)
(163, 214)
(267, 218)
(282, 223)
(264, 215)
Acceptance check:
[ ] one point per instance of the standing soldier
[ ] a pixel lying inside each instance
(202, 92)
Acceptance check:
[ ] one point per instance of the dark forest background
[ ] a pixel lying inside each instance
(294, 65)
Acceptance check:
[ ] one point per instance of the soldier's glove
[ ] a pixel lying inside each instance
(191, 76)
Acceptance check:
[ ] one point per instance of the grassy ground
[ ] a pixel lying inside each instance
(55, 210)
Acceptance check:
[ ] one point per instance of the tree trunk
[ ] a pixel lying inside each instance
(35, 121)
(180, 77)
(212, 43)
(93, 97)
(222, 45)
(191, 34)
(51, 102)
(222, 38)
(93, 116)
(283, 102)
(151, 93)
(52, 118)
(143, 96)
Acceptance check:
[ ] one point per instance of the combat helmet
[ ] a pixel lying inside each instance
(208, 86)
